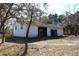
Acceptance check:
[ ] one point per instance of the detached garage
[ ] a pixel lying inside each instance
(37, 29)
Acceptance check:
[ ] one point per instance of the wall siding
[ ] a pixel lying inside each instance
(33, 32)
(48, 32)
(59, 32)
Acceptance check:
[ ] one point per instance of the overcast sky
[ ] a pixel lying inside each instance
(60, 8)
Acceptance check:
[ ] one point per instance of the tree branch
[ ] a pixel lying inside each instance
(5, 18)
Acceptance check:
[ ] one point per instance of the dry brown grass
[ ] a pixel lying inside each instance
(68, 46)
(54, 51)
(11, 49)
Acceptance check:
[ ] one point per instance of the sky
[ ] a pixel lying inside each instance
(60, 8)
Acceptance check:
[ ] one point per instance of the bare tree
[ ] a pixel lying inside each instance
(4, 11)
(32, 12)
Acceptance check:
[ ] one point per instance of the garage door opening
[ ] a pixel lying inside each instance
(42, 32)
(53, 33)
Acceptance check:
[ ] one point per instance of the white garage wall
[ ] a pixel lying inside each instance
(59, 32)
(19, 32)
(48, 32)
(33, 32)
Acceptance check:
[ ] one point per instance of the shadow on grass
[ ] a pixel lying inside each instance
(21, 40)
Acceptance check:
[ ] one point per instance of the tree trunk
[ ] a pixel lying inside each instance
(3, 35)
(27, 33)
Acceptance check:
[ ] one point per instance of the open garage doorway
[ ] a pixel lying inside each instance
(53, 33)
(42, 32)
